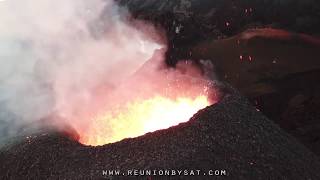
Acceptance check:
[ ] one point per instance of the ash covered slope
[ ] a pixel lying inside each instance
(281, 79)
(230, 135)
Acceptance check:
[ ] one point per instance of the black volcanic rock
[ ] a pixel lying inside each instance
(282, 80)
(199, 20)
(296, 15)
(231, 135)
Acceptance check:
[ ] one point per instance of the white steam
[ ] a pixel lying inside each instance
(61, 56)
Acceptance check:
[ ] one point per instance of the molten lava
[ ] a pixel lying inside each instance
(141, 116)
(155, 97)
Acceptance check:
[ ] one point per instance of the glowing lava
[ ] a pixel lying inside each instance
(155, 97)
(141, 116)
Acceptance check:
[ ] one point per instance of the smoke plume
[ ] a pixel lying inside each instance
(57, 57)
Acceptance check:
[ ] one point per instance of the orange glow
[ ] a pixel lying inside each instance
(141, 116)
